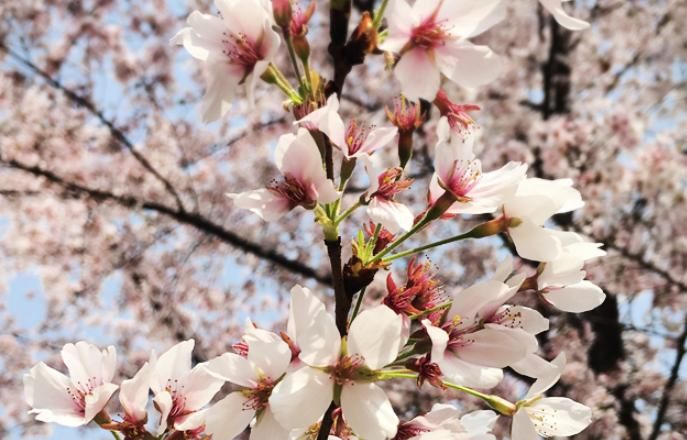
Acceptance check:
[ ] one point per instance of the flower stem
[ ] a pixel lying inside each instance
(379, 14)
(292, 55)
(358, 303)
(348, 212)
(418, 226)
(274, 76)
(486, 229)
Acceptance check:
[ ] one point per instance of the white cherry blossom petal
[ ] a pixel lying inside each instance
(375, 334)
(368, 411)
(301, 398)
(229, 417)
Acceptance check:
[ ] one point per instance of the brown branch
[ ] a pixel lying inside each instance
(84, 103)
(194, 220)
(670, 383)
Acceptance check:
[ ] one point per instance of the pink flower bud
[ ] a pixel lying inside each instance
(283, 12)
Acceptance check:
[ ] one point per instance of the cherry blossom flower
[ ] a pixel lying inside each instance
(530, 206)
(375, 337)
(460, 173)
(133, 395)
(355, 139)
(256, 374)
(303, 183)
(236, 49)
(381, 207)
(77, 399)
(431, 39)
(445, 422)
(562, 283)
(555, 8)
(537, 415)
(481, 335)
(181, 392)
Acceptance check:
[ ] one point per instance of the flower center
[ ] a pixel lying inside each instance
(258, 397)
(178, 399)
(507, 317)
(356, 134)
(430, 34)
(294, 191)
(347, 370)
(80, 390)
(241, 51)
(463, 178)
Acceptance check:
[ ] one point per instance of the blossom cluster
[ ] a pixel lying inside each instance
(324, 374)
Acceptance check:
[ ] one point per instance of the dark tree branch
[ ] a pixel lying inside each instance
(84, 103)
(681, 349)
(194, 220)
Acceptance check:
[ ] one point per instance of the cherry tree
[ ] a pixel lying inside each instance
(443, 176)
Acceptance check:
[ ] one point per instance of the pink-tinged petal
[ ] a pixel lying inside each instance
(45, 390)
(200, 386)
(576, 298)
(378, 138)
(163, 403)
(327, 120)
(375, 334)
(469, 18)
(302, 160)
(267, 428)
(394, 216)
(272, 357)
(439, 339)
(523, 338)
(426, 8)
(559, 416)
(301, 398)
(368, 411)
(229, 417)
(232, 368)
(530, 320)
(98, 399)
(175, 363)
(522, 428)
(535, 242)
(401, 20)
(223, 82)
(492, 348)
(547, 377)
(326, 190)
(203, 37)
(133, 394)
(555, 7)
(415, 64)
(471, 304)
(190, 422)
(86, 363)
(247, 17)
(266, 204)
(252, 80)
(473, 66)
